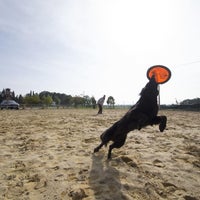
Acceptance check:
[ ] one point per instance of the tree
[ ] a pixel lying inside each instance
(78, 101)
(56, 100)
(94, 102)
(67, 100)
(111, 101)
(87, 101)
(21, 100)
(32, 99)
(190, 101)
(47, 100)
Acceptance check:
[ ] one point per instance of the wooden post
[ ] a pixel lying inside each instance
(159, 96)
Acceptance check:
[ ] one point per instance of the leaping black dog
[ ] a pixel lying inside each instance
(142, 114)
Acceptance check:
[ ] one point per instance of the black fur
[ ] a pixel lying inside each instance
(142, 114)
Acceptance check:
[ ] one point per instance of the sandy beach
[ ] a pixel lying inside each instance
(48, 154)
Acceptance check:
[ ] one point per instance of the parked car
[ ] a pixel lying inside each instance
(9, 104)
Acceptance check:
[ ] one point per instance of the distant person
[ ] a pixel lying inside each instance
(100, 103)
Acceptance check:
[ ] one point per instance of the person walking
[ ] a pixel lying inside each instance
(100, 103)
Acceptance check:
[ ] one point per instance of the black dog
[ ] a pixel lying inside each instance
(142, 114)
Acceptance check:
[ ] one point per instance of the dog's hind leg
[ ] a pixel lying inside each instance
(98, 147)
(117, 144)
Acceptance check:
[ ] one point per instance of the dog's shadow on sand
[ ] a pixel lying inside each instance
(104, 179)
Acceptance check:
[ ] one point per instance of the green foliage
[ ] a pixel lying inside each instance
(190, 101)
(47, 100)
(56, 100)
(78, 101)
(111, 101)
(32, 99)
(94, 102)
(60, 99)
(67, 100)
(87, 101)
(20, 99)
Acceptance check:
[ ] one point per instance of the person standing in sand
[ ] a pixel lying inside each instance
(100, 103)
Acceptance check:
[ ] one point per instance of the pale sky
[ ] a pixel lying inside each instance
(97, 47)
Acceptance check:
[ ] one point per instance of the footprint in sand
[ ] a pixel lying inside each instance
(128, 161)
(158, 163)
(34, 178)
(19, 164)
(82, 175)
(56, 167)
(39, 182)
(190, 198)
(166, 184)
(42, 183)
(77, 194)
(170, 187)
(9, 177)
(89, 140)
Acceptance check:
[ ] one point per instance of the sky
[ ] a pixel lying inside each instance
(97, 47)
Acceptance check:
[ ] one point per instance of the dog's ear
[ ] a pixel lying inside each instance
(153, 79)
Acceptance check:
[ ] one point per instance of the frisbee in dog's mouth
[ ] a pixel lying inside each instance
(161, 73)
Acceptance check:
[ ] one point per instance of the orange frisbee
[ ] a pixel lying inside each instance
(162, 74)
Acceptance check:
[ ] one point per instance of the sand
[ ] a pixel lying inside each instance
(48, 154)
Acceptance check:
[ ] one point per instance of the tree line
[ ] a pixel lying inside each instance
(187, 104)
(46, 98)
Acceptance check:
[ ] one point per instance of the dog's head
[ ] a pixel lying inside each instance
(151, 89)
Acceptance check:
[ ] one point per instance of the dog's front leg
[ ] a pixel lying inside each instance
(161, 120)
(163, 123)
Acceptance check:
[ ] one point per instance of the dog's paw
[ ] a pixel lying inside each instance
(163, 123)
(96, 150)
